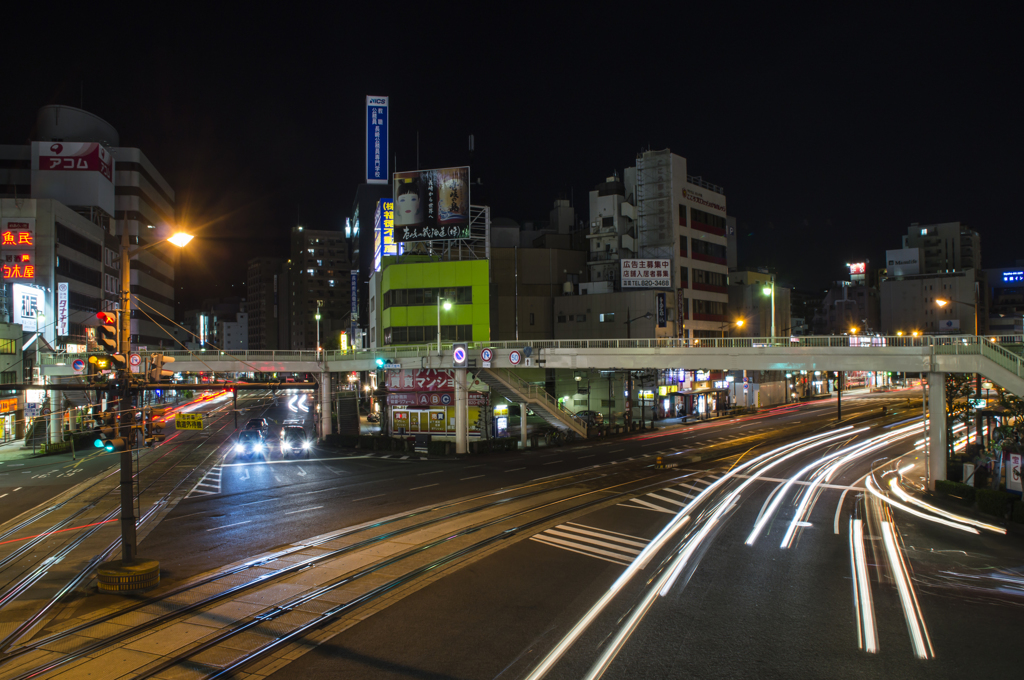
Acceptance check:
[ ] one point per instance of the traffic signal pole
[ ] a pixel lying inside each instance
(129, 546)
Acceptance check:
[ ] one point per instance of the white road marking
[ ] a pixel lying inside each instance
(667, 500)
(839, 509)
(644, 505)
(582, 457)
(461, 480)
(433, 472)
(551, 462)
(367, 498)
(3, 496)
(230, 525)
(423, 487)
(515, 469)
(20, 487)
(316, 507)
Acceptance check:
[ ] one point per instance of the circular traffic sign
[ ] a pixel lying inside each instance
(459, 355)
(486, 354)
(446, 398)
(515, 357)
(134, 359)
(78, 365)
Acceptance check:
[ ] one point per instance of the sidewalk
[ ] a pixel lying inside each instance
(16, 450)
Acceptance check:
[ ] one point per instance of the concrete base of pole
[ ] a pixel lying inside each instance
(937, 442)
(118, 577)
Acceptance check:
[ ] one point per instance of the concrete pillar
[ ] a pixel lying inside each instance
(461, 413)
(936, 427)
(73, 420)
(325, 405)
(55, 419)
(522, 427)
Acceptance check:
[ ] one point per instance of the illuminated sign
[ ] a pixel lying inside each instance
(858, 268)
(17, 248)
(384, 244)
(432, 205)
(343, 342)
(376, 140)
(646, 273)
(17, 238)
(8, 405)
(18, 266)
(62, 309)
(1013, 277)
(28, 305)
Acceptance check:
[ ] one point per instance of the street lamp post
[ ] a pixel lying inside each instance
(738, 323)
(941, 302)
(128, 538)
(771, 291)
(447, 306)
(629, 322)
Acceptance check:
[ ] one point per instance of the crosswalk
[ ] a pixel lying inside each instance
(670, 499)
(209, 485)
(600, 544)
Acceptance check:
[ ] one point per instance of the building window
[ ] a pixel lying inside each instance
(608, 403)
(682, 247)
(561, 318)
(8, 346)
(684, 277)
(531, 318)
(572, 317)
(8, 377)
(606, 318)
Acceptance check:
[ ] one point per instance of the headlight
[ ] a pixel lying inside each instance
(258, 447)
(239, 447)
(306, 445)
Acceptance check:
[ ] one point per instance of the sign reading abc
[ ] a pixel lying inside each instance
(459, 355)
(188, 421)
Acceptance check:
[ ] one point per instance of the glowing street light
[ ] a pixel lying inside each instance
(181, 239)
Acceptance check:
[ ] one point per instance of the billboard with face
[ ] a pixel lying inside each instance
(432, 205)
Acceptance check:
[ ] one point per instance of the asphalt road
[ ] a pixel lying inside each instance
(245, 507)
(744, 610)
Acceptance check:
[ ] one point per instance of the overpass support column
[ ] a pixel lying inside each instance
(522, 427)
(936, 427)
(325, 405)
(461, 413)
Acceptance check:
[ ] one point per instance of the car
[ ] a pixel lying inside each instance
(260, 424)
(592, 417)
(294, 440)
(250, 443)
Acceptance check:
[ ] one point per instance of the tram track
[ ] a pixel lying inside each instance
(167, 616)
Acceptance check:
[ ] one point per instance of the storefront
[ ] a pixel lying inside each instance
(423, 402)
(9, 416)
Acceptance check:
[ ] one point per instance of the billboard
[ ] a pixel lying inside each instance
(384, 244)
(432, 205)
(74, 173)
(662, 311)
(646, 273)
(903, 262)
(18, 249)
(1013, 277)
(376, 140)
(858, 268)
(27, 306)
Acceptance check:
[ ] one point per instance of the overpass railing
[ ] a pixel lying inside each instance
(992, 347)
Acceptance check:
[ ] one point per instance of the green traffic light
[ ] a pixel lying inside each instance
(99, 443)
(380, 362)
(109, 446)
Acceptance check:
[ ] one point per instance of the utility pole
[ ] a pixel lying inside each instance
(839, 399)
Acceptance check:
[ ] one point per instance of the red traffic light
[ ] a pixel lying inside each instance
(106, 317)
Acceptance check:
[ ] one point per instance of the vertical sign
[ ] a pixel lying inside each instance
(355, 309)
(18, 249)
(1013, 482)
(384, 233)
(662, 310)
(62, 309)
(377, 140)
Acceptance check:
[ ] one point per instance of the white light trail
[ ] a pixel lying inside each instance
(867, 634)
(915, 622)
(869, 484)
(907, 498)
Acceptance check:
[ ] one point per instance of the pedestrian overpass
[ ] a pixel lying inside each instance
(998, 359)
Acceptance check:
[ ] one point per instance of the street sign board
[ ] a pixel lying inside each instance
(392, 367)
(134, 359)
(188, 421)
(459, 354)
(446, 398)
(78, 365)
(515, 357)
(486, 354)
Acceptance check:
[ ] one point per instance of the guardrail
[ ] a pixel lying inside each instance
(989, 346)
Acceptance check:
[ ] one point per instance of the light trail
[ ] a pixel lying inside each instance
(867, 633)
(907, 498)
(911, 610)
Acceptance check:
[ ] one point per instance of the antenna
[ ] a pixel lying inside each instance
(417, 149)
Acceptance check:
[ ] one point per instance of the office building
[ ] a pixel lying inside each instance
(264, 293)
(931, 304)
(76, 160)
(944, 247)
(319, 273)
(1004, 293)
(749, 304)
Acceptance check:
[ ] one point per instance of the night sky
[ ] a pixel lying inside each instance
(831, 133)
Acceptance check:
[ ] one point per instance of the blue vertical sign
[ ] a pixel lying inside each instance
(376, 140)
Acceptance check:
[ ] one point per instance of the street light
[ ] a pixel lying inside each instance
(738, 323)
(941, 302)
(770, 290)
(629, 322)
(447, 305)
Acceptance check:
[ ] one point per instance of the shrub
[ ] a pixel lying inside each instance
(1017, 514)
(366, 442)
(440, 448)
(344, 440)
(995, 503)
(955, 490)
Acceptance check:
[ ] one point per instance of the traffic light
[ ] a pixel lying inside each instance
(380, 363)
(157, 372)
(106, 332)
(155, 426)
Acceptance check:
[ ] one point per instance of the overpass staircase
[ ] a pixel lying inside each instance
(517, 390)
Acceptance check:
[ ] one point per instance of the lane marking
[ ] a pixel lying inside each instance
(231, 525)
(551, 462)
(433, 472)
(367, 498)
(316, 507)
(839, 509)
(461, 480)
(515, 469)
(424, 487)
(582, 457)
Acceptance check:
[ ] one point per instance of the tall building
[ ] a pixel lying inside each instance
(944, 247)
(75, 160)
(264, 292)
(1005, 300)
(320, 272)
(749, 303)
